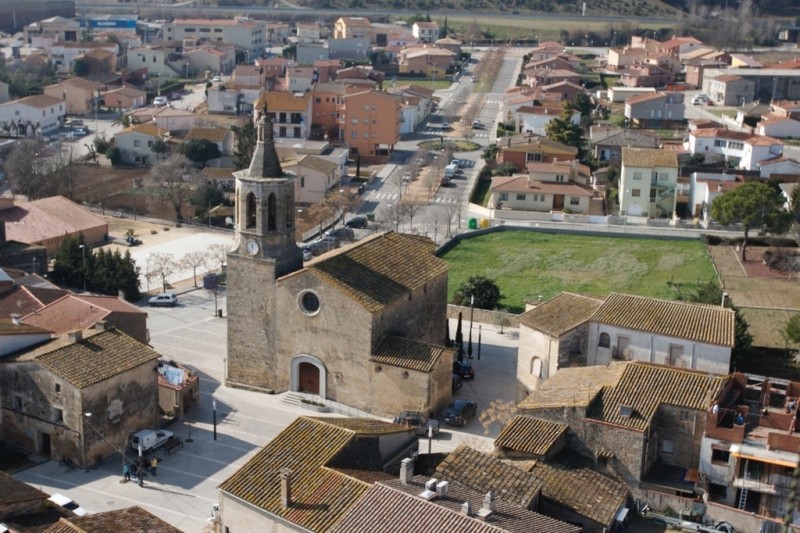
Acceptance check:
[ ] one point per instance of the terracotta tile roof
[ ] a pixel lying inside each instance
(70, 313)
(573, 387)
(519, 183)
(46, 295)
(559, 166)
(539, 110)
(507, 516)
(639, 98)
(111, 303)
(7, 327)
(131, 520)
(131, 92)
(321, 496)
(325, 166)
(406, 353)
(530, 435)
(648, 157)
(147, 129)
(356, 21)
(560, 313)
(644, 387)
(535, 143)
(283, 101)
(22, 300)
(483, 473)
(48, 218)
(760, 140)
(40, 101)
(100, 355)
(381, 269)
(711, 324)
(82, 83)
(216, 135)
(14, 491)
(581, 489)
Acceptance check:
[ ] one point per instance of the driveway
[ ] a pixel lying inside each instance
(186, 486)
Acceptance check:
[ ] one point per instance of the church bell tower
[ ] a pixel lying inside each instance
(265, 250)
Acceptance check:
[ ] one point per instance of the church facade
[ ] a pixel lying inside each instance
(363, 325)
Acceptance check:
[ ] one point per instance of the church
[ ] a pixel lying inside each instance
(363, 325)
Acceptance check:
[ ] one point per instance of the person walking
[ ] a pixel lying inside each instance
(126, 473)
(153, 465)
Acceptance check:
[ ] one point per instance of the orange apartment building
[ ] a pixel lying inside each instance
(427, 59)
(369, 123)
(352, 28)
(326, 99)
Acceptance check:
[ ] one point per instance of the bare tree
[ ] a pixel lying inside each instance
(320, 214)
(30, 168)
(340, 202)
(391, 215)
(175, 179)
(161, 265)
(438, 218)
(194, 260)
(409, 209)
(218, 252)
(498, 412)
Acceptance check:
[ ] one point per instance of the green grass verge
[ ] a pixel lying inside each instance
(528, 264)
(435, 85)
(482, 192)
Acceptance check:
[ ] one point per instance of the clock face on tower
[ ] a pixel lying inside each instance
(252, 247)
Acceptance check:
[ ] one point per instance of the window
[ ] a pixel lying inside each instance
(149, 143)
(663, 176)
(605, 340)
(520, 196)
(719, 143)
(272, 210)
(354, 135)
(354, 121)
(58, 415)
(637, 175)
(58, 387)
(636, 193)
(559, 177)
(17, 402)
(574, 200)
(137, 143)
(533, 157)
(667, 446)
(250, 214)
(309, 303)
(503, 196)
(675, 354)
(536, 367)
(366, 107)
(302, 181)
(736, 146)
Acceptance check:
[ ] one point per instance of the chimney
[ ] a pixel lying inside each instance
(285, 476)
(406, 470)
(725, 299)
(431, 484)
(15, 319)
(75, 336)
(488, 506)
(466, 509)
(441, 489)
(101, 325)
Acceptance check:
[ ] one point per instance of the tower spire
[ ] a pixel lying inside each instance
(265, 163)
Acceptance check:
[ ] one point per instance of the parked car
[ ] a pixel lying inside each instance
(445, 125)
(417, 420)
(75, 122)
(66, 503)
(342, 234)
(457, 382)
(164, 299)
(175, 96)
(149, 439)
(81, 131)
(476, 125)
(460, 412)
(216, 79)
(357, 222)
(445, 182)
(322, 246)
(160, 101)
(464, 369)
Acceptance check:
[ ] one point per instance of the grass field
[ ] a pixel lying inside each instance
(528, 264)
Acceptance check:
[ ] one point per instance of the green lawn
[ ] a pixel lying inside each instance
(528, 264)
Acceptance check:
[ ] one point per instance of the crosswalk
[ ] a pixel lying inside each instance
(438, 132)
(389, 197)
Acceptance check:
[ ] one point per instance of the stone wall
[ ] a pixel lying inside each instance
(482, 316)
(684, 428)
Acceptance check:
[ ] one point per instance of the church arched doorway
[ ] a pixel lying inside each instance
(308, 375)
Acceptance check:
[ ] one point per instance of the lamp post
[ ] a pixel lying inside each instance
(430, 437)
(83, 256)
(471, 311)
(479, 342)
(83, 446)
(214, 407)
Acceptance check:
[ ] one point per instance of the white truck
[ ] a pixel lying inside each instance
(451, 170)
(149, 439)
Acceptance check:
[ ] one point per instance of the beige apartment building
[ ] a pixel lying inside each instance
(370, 122)
(242, 32)
(79, 94)
(352, 28)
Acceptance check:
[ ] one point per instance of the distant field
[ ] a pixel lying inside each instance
(528, 264)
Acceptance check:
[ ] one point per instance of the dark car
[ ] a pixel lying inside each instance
(460, 412)
(464, 369)
(357, 222)
(457, 382)
(417, 420)
(175, 96)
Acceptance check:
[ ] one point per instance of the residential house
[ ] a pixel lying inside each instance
(519, 150)
(777, 166)
(64, 54)
(770, 83)
(388, 34)
(33, 115)
(300, 79)
(619, 93)
(127, 39)
(167, 118)
(60, 28)
(233, 97)
(30, 258)
(557, 62)
(448, 43)
(74, 312)
(363, 75)
(786, 108)
(740, 150)
(79, 94)
(325, 103)
(315, 177)
(622, 58)
(128, 519)
(705, 187)
(125, 97)
(250, 75)
(370, 122)
(222, 137)
(211, 57)
(548, 187)
(310, 53)
(744, 61)
(548, 76)
(178, 389)
(425, 32)
(48, 221)
(246, 34)
(274, 67)
(416, 105)
(160, 60)
(560, 91)
(678, 46)
(658, 110)
(695, 69)
(646, 75)
(135, 143)
(317, 465)
(18, 499)
(750, 114)
(608, 142)
(326, 69)
(100, 62)
(546, 50)
(308, 32)
(647, 183)
(426, 59)
(535, 118)
(48, 392)
(648, 437)
(351, 28)
(777, 126)
(730, 90)
(278, 32)
(289, 113)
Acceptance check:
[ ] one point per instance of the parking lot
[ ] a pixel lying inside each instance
(186, 485)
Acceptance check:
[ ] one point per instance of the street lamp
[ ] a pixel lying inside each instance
(471, 312)
(83, 445)
(83, 256)
(430, 437)
(214, 406)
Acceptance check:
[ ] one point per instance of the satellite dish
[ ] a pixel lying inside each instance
(229, 221)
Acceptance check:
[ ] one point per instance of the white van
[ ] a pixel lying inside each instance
(149, 439)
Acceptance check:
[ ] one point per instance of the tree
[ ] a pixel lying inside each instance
(161, 265)
(175, 180)
(218, 253)
(36, 171)
(114, 155)
(489, 153)
(205, 197)
(200, 150)
(561, 129)
(583, 103)
(791, 330)
(80, 67)
(70, 262)
(486, 292)
(755, 205)
(245, 136)
(101, 144)
(194, 260)
(159, 147)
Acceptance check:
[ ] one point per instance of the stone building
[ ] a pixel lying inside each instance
(360, 326)
(78, 396)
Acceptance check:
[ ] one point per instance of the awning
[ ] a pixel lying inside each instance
(621, 515)
(768, 460)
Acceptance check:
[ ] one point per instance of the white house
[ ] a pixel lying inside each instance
(705, 186)
(534, 119)
(648, 179)
(426, 32)
(135, 143)
(778, 165)
(32, 115)
(560, 186)
(777, 126)
(740, 149)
